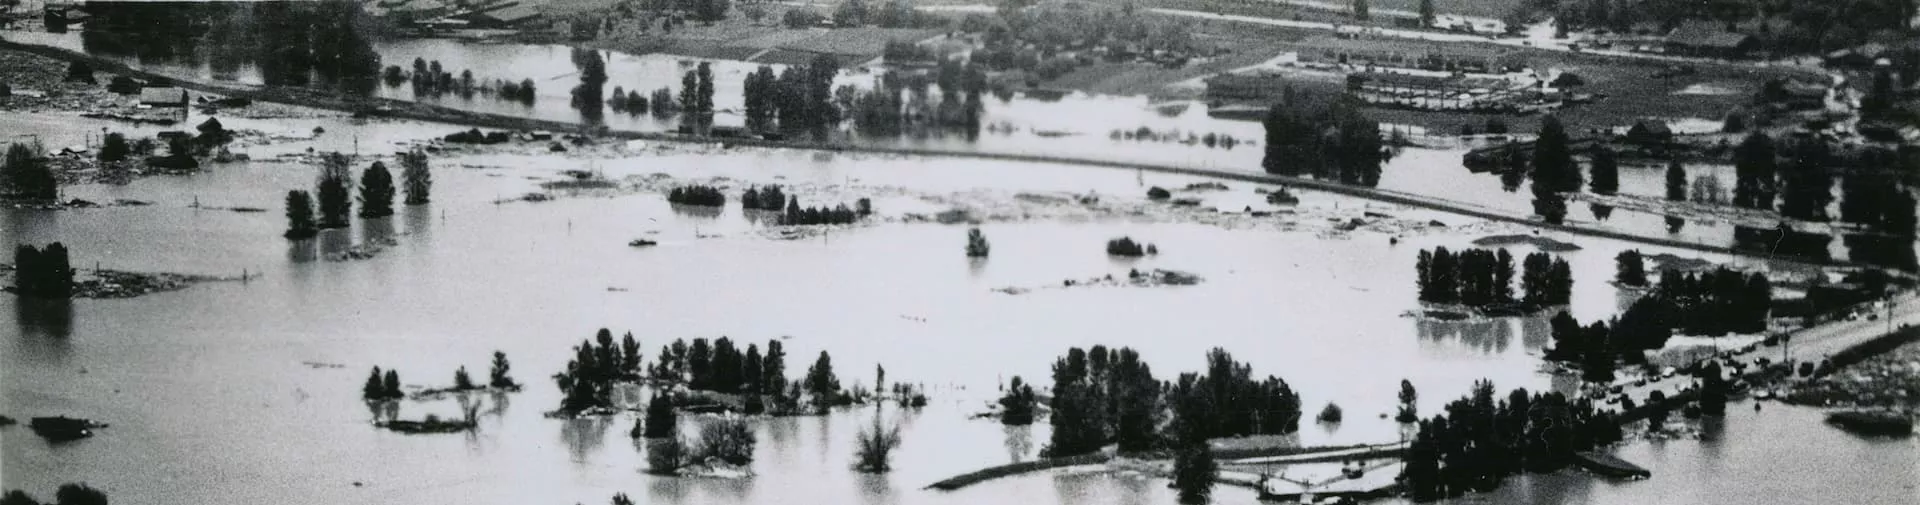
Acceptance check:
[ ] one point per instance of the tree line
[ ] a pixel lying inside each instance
(1480, 278)
(720, 366)
(1328, 139)
(1109, 396)
(769, 198)
(1479, 440)
(377, 192)
(904, 103)
(696, 98)
(324, 44)
(697, 194)
(429, 79)
(42, 272)
(795, 215)
(799, 101)
(66, 494)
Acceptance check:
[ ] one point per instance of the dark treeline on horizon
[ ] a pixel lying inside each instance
(319, 43)
(799, 101)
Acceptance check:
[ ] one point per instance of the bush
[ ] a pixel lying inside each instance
(115, 148)
(1158, 193)
(875, 452)
(1806, 369)
(802, 18)
(80, 72)
(729, 439)
(1331, 414)
(665, 457)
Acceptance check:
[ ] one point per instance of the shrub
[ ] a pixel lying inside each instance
(729, 439)
(1158, 193)
(665, 457)
(115, 148)
(1331, 414)
(977, 246)
(876, 444)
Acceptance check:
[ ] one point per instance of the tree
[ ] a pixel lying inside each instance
(1330, 414)
(1194, 469)
(700, 365)
(1605, 170)
(773, 371)
(1016, 406)
(497, 377)
(1553, 171)
(729, 439)
(376, 191)
(461, 381)
(662, 421)
(27, 175)
(1657, 416)
(1409, 411)
(79, 494)
(417, 177)
(1629, 268)
(1361, 11)
(374, 389)
(821, 384)
(18, 497)
(114, 148)
(1755, 167)
(1676, 181)
(333, 191)
(977, 246)
(300, 222)
(390, 385)
(1426, 12)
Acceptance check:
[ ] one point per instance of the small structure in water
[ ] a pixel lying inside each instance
(641, 242)
(1606, 464)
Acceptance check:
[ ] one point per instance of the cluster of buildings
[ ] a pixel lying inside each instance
(1698, 38)
(454, 14)
(1401, 73)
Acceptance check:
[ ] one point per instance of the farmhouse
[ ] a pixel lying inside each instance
(1399, 53)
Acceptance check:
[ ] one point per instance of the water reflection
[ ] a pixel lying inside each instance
(976, 265)
(303, 251)
(375, 230)
(875, 489)
(419, 222)
(700, 212)
(667, 490)
(1019, 442)
(335, 241)
(43, 317)
(1490, 336)
(583, 436)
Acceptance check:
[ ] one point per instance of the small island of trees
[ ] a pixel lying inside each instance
(796, 215)
(977, 246)
(1127, 247)
(1483, 279)
(701, 195)
(769, 198)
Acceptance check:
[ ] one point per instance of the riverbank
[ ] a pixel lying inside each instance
(377, 107)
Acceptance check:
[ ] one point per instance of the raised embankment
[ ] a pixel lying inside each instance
(382, 107)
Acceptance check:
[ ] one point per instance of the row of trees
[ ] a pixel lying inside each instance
(1328, 139)
(721, 367)
(903, 103)
(795, 215)
(1646, 325)
(800, 100)
(1479, 441)
(376, 193)
(42, 272)
(67, 494)
(1717, 302)
(696, 96)
(1103, 396)
(1880, 202)
(702, 195)
(1479, 277)
(769, 198)
(27, 175)
(382, 387)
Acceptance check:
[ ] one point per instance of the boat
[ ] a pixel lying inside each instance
(641, 242)
(63, 428)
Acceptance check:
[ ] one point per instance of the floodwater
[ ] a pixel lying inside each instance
(226, 392)
(1077, 125)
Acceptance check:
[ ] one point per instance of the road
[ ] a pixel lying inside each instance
(1806, 345)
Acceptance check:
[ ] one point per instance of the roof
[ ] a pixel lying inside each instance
(1706, 34)
(1651, 127)
(163, 95)
(1409, 46)
(512, 14)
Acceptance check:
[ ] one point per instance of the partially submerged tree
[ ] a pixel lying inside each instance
(300, 221)
(418, 177)
(376, 191)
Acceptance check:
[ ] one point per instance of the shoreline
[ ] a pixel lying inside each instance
(398, 109)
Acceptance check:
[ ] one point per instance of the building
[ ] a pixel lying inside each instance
(1650, 132)
(514, 16)
(164, 97)
(1708, 40)
(1403, 53)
